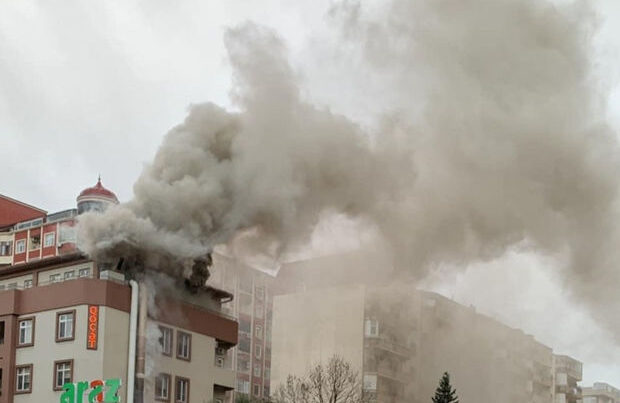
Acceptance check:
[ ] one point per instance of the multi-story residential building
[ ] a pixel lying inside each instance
(600, 392)
(567, 373)
(401, 340)
(68, 323)
(252, 307)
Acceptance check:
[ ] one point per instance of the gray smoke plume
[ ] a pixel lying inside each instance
(494, 136)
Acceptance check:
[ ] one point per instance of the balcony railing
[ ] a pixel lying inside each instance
(389, 346)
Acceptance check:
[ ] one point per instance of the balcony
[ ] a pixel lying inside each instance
(389, 346)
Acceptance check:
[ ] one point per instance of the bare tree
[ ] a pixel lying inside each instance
(335, 382)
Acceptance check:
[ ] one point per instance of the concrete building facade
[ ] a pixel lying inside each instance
(567, 375)
(600, 392)
(401, 340)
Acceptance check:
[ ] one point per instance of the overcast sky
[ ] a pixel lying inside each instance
(89, 88)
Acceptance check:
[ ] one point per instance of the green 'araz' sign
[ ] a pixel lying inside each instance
(98, 391)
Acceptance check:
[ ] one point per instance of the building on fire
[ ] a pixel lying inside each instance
(65, 319)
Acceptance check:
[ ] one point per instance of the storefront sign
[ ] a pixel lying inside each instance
(92, 392)
(92, 333)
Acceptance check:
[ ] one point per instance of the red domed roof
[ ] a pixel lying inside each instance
(98, 191)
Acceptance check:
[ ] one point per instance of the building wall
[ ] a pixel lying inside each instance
(311, 327)
(114, 344)
(19, 280)
(87, 364)
(45, 275)
(200, 370)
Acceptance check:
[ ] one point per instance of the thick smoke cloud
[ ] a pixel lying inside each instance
(496, 138)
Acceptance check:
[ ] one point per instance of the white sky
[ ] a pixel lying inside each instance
(91, 87)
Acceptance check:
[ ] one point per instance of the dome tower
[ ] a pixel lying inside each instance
(96, 198)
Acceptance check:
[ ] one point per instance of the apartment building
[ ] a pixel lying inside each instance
(253, 291)
(567, 373)
(600, 392)
(69, 325)
(401, 340)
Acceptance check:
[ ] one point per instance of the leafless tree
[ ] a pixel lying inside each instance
(334, 382)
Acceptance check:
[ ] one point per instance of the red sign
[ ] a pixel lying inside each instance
(92, 333)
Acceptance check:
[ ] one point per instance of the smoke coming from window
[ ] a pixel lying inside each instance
(489, 132)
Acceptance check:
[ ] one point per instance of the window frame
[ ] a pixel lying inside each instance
(23, 391)
(258, 351)
(162, 399)
(45, 237)
(181, 333)
(17, 248)
(58, 314)
(55, 387)
(86, 270)
(26, 282)
(176, 388)
(171, 331)
(19, 321)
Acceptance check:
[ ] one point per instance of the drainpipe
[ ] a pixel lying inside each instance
(140, 363)
(133, 327)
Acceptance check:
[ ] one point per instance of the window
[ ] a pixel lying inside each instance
(370, 382)
(23, 378)
(258, 351)
(256, 390)
(259, 311)
(26, 332)
(35, 241)
(265, 391)
(69, 275)
(259, 292)
(219, 361)
(244, 345)
(162, 387)
(65, 326)
(27, 283)
(267, 373)
(243, 365)
(165, 340)
(2, 332)
(245, 284)
(372, 328)
(11, 286)
(84, 272)
(63, 373)
(181, 393)
(55, 278)
(257, 369)
(5, 248)
(49, 239)
(258, 332)
(243, 386)
(20, 246)
(244, 325)
(245, 304)
(184, 345)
